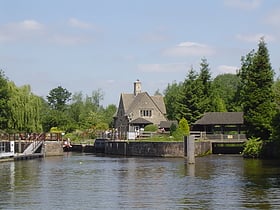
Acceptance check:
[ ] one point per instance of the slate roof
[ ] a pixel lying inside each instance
(129, 101)
(140, 121)
(221, 118)
(167, 124)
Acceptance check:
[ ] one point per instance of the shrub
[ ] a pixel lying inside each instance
(253, 148)
(173, 128)
(151, 128)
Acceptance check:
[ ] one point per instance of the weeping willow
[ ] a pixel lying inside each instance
(24, 109)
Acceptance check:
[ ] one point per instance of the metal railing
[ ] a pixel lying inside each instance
(219, 137)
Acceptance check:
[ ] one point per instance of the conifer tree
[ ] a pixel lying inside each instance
(205, 79)
(189, 103)
(256, 95)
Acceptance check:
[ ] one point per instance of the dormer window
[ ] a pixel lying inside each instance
(145, 113)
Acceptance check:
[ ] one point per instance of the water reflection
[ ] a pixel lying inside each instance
(81, 181)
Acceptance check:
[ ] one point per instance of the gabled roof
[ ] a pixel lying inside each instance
(130, 101)
(127, 99)
(140, 121)
(167, 124)
(221, 118)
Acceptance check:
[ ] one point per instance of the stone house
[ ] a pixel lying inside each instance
(138, 109)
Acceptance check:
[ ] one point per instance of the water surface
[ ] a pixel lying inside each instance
(86, 181)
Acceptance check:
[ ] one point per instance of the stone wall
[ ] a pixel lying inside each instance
(52, 148)
(153, 149)
(202, 147)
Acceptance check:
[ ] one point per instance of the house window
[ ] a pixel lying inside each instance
(146, 113)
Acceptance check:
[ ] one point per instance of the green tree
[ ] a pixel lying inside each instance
(4, 97)
(190, 103)
(184, 126)
(24, 109)
(58, 98)
(171, 98)
(182, 130)
(276, 119)
(256, 94)
(208, 101)
(76, 107)
(225, 87)
(108, 114)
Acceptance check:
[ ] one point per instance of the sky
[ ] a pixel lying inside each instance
(90, 45)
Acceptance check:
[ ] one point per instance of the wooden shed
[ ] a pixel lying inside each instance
(220, 123)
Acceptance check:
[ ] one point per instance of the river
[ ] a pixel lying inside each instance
(86, 181)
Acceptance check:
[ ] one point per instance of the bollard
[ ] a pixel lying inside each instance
(190, 149)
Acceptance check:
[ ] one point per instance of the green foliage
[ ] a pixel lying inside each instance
(184, 126)
(178, 134)
(171, 99)
(253, 148)
(4, 97)
(24, 108)
(58, 97)
(173, 128)
(151, 128)
(182, 130)
(256, 94)
(225, 88)
(191, 103)
(197, 94)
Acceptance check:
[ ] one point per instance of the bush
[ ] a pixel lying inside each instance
(253, 148)
(173, 128)
(151, 128)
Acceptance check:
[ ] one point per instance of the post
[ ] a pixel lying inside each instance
(12, 147)
(190, 149)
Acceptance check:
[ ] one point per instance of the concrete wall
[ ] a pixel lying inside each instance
(153, 149)
(148, 149)
(52, 148)
(202, 147)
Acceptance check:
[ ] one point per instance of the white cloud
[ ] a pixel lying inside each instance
(189, 49)
(29, 25)
(223, 69)
(27, 29)
(73, 22)
(162, 68)
(243, 4)
(255, 37)
(32, 30)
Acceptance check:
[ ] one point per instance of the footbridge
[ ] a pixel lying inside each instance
(26, 146)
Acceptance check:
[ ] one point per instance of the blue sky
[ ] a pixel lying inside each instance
(86, 45)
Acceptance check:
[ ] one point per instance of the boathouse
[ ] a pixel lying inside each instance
(220, 123)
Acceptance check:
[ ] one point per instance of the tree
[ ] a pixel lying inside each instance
(256, 94)
(182, 130)
(76, 107)
(225, 87)
(190, 103)
(108, 114)
(4, 97)
(24, 109)
(171, 98)
(204, 78)
(58, 97)
(157, 93)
